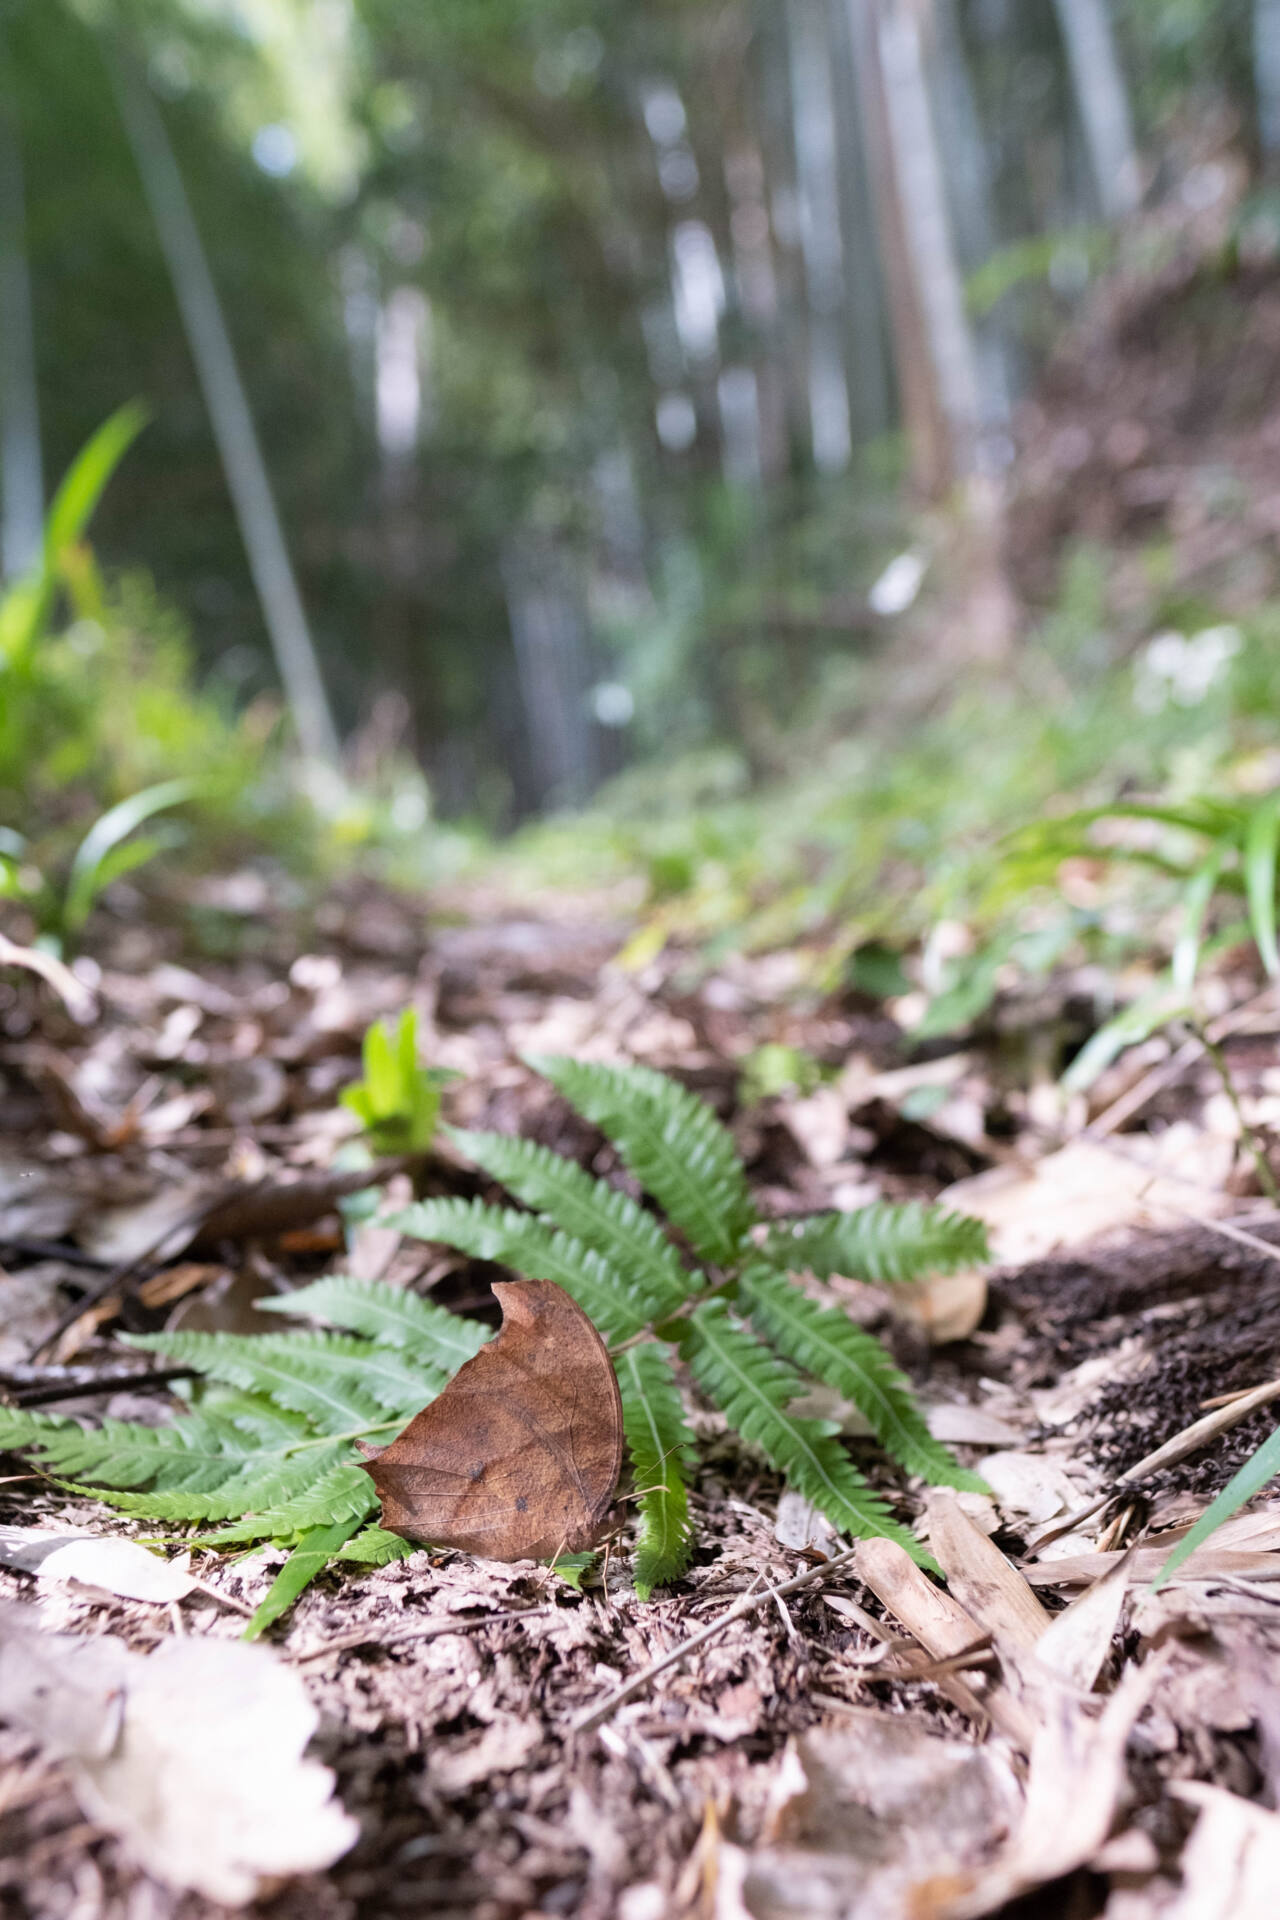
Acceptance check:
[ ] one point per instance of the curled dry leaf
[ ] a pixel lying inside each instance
(518, 1458)
(192, 1754)
(845, 1829)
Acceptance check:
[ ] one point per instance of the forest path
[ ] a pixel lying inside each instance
(822, 1742)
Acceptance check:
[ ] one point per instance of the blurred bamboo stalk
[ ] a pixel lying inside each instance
(21, 466)
(1103, 101)
(229, 410)
(1266, 71)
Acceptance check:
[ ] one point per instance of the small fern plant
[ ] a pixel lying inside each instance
(269, 1446)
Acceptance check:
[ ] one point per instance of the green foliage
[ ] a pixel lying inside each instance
(268, 1446)
(826, 1343)
(660, 1445)
(398, 1101)
(1251, 1478)
(27, 606)
(883, 1243)
(773, 1069)
(672, 1143)
(614, 1258)
(1210, 853)
(754, 1387)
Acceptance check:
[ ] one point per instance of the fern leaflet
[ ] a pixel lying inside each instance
(659, 1443)
(670, 1140)
(389, 1316)
(344, 1493)
(307, 1372)
(754, 1388)
(825, 1342)
(310, 1557)
(882, 1243)
(519, 1240)
(598, 1215)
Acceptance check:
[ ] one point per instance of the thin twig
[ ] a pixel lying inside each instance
(380, 1636)
(52, 1390)
(1266, 1179)
(595, 1716)
(189, 1221)
(1122, 1110)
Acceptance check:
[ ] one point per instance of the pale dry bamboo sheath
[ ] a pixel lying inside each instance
(21, 467)
(229, 411)
(1102, 97)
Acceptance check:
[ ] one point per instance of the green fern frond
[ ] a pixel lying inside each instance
(883, 1243)
(754, 1388)
(590, 1210)
(825, 1342)
(195, 1454)
(375, 1547)
(390, 1316)
(301, 1372)
(256, 1486)
(520, 1240)
(659, 1442)
(311, 1556)
(672, 1143)
(398, 1383)
(345, 1492)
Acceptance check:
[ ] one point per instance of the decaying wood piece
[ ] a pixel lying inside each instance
(981, 1579)
(943, 1628)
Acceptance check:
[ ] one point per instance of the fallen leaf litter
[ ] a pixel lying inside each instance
(779, 1766)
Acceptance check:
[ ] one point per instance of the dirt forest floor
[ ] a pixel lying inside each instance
(1047, 1737)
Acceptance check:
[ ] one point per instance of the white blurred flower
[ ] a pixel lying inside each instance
(898, 585)
(1181, 667)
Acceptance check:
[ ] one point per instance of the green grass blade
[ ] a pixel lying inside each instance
(310, 1557)
(1195, 905)
(1262, 1466)
(1261, 845)
(86, 879)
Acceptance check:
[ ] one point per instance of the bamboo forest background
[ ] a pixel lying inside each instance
(599, 356)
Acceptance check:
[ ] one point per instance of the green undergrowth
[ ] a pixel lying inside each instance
(892, 818)
(267, 1451)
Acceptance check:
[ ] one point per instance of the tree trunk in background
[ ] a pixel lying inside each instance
(968, 183)
(21, 473)
(229, 413)
(927, 230)
(933, 342)
(549, 638)
(814, 123)
(1102, 97)
(917, 388)
(868, 354)
(1266, 67)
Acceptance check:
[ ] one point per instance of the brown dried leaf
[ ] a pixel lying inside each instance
(518, 1458)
